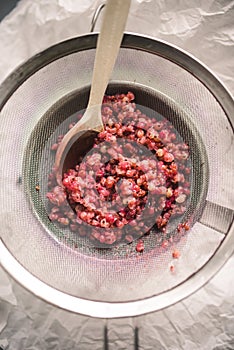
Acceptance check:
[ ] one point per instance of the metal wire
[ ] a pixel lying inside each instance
(95, 16)
(106, 343)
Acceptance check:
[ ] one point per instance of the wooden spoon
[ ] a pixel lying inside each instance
(80, 138)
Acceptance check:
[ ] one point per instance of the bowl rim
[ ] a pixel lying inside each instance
(226, 247)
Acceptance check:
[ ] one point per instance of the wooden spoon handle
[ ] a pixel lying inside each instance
(109, 40)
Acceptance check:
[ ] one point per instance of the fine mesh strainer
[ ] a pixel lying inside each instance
(35, 100)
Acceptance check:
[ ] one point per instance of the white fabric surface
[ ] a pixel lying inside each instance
(204, 320)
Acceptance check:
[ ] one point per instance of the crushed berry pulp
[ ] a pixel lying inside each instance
(136, 176)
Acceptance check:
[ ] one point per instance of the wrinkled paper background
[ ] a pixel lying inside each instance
(204, 320)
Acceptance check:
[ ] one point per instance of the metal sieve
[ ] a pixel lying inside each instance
(58, 267)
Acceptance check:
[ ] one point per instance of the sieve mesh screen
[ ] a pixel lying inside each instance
(97, 276)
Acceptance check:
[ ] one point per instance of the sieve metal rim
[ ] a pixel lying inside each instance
(223, 252)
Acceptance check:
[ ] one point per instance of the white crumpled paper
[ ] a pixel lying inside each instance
(204, 320)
